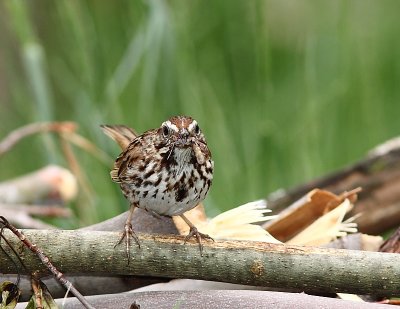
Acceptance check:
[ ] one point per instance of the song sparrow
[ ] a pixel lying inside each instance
(166, 171)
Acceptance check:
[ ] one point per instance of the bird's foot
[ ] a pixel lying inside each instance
(199, 236)
(127, 234)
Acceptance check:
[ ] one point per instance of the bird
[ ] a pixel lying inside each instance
(165, 171)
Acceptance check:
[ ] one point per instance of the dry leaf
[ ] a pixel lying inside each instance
(304, 212)
(326, 228)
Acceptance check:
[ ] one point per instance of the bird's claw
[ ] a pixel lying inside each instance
(195, 233)
(128, 233)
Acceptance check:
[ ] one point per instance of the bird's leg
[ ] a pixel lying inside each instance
(154, 214)
(128, 233)
(194, 232)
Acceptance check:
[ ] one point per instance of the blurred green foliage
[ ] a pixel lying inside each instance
(284, 90)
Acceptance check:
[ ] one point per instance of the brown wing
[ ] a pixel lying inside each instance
(123, 135)
(127, 161)
(130, 163)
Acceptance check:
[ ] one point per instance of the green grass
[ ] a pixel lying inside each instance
(284, 90)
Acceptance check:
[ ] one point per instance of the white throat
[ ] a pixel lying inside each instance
(182, 156)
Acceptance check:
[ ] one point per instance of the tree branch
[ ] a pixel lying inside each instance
(378, 174)
(251, 263)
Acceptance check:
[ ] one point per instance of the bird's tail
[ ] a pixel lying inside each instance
(123, 135)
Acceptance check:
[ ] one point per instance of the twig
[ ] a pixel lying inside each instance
(15, 136)
(80, 175)
(75, 167)
(46, 261)
(22, 219)
(66, 131)
(351, 195)
(88, 146)
(36, 291)
(39, 210)
(9, 256)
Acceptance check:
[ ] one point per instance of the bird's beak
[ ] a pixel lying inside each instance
(183, 138)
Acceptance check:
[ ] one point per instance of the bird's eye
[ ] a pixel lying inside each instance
(165, 130)
(196, 129)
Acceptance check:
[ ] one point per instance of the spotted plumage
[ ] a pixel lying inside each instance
(166, 171)
(172, 161)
